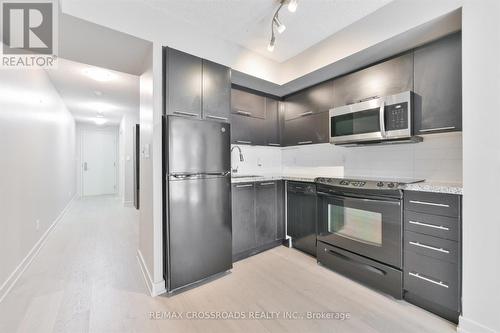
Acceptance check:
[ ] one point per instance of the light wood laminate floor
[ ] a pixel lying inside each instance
(86, 279)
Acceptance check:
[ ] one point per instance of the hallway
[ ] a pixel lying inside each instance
(90, 255)
(86, 278)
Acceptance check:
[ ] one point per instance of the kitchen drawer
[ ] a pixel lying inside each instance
(438, 248)
(369, 272)
(432, 203)
(432, 279)
(301, 187)
(433, 225)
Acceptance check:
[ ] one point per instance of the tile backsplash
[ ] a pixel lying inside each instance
(437, 158)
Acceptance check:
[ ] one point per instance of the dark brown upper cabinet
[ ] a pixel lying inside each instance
(438, 86)
(195, 87)
(386, 78)
(183, 84)
(248, 104)
(216, 104)
(312, 100)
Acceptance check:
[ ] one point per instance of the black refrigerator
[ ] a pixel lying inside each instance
(197, 214)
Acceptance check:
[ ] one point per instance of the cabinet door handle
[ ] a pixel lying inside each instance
(245, 185)
(437, 129)
(429, 203)
(303, 142)
(264, 184)
(182, 113)
(245, 113)
(439, 283)
(244, 142)
(438, 249)
(440, 227)
(216, 117)
(305, 113)
(273, 144)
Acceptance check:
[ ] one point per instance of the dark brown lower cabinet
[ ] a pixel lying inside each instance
(258, 217)
(432, 252)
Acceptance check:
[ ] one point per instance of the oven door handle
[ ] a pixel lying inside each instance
(398, 203)
(370, 268)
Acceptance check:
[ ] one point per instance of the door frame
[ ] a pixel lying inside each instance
(115, 132)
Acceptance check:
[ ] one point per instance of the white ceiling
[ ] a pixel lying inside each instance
(248, 22)
(84, 96)
(93, 44)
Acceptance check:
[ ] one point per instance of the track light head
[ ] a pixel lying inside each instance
(292, 6)
(270, 47)
(280, 27)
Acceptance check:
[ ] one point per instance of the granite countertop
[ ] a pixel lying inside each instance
(427, 186)
(298, 178)
(433, 186)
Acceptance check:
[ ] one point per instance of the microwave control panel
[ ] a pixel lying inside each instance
(396, 116)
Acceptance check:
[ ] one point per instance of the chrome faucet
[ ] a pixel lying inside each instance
(234, 170)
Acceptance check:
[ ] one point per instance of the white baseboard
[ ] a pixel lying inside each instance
(466, 325)
(6, 287)
(155, 288)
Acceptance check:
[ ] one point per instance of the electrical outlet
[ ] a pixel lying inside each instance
(37, 224)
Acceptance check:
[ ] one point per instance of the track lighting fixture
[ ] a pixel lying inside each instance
(280, 27)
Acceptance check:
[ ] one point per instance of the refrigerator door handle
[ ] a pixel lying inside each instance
(198, 175)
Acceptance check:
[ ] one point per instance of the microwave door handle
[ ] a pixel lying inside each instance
(382, 118)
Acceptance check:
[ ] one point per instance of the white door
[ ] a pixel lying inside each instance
(99, 163)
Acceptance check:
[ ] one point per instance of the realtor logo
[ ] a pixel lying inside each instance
(28, 33)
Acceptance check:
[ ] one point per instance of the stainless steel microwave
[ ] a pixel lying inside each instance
(375, 120)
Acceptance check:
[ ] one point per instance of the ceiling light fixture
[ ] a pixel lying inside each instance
(99, 74)
(292, 6)
(280, 27)
(99, 107)
(100, 121)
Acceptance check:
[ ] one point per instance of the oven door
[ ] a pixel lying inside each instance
(358, 122)
(371, 227)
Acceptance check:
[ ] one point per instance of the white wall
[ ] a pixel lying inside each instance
(258, 160)
(126, 153)
(438, 158)
(37, 163)
(151, 197)
(79, 129)
(481, 149)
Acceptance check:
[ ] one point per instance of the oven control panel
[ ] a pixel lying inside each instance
(361, 184)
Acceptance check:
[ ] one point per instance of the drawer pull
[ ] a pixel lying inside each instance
(303, 142)
(245, 113)
(189, 114)
(438, 249)
(305, 113)
(246, 185)
(437, 129)
(216, 117)
(439, 283)
(274, 144)
(440, 227)
(429, 203)
(244, 142)
(269, 183)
